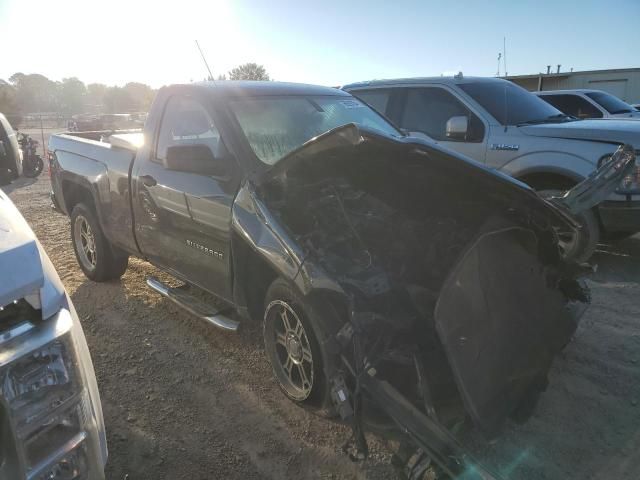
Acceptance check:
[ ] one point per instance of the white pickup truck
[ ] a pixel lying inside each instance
(500, 124)
(588, 103)
(51, 424)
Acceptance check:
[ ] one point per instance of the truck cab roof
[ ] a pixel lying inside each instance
(567, 91)
(455, 80)
(239, 88)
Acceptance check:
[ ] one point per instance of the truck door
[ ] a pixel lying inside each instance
(182, 206)
(436, 114)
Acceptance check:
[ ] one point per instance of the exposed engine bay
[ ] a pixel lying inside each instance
(457, 295)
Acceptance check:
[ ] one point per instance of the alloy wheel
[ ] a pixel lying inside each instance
(289, 349)
(85, 242)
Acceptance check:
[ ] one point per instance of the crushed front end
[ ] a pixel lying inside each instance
(455, 296)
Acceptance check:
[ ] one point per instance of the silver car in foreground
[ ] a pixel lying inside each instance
(51, 424)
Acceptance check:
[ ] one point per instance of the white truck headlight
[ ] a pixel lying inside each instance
(629, 184)
(57, 423)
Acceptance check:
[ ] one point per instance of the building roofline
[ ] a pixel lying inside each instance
(567, 74)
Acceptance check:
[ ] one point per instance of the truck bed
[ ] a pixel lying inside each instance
(97, 164)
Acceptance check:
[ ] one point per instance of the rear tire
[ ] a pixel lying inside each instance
(97, 258)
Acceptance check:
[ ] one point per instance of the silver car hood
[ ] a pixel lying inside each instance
(25, 270)
(600, 130)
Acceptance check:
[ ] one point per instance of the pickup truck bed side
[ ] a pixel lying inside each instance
(101, 172)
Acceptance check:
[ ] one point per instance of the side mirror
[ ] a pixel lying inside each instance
(457, 127)
(193, 159)
(3, 150)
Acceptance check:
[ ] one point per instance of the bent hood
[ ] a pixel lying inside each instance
(610, 130)
(426, 239)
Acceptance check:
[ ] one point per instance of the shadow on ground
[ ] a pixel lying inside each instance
(21, 182)
(184, 400)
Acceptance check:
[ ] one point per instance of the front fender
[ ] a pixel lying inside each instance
(255, 224)
(561, 163)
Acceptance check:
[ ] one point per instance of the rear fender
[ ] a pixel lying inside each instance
(90, 181)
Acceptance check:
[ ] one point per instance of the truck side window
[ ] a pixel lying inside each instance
(378, 99)
(427, 110)
(573, 105)
(186, 122)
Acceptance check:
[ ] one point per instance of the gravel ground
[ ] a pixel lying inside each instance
(183, 400)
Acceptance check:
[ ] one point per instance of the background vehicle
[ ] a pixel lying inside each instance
(32, 163)
(51, 423)
(507, 128)
(10, 153)
(584, 103)
(301, 207)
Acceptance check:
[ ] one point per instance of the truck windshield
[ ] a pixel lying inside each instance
(511, 104)
(610, 103)
(275, 126)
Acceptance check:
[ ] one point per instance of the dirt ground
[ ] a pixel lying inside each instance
(183, 400)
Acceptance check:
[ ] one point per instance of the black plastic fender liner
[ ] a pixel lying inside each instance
(501, 320)
(426, 433)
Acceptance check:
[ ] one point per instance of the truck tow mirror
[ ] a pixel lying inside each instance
(457, 127)
(194, 159)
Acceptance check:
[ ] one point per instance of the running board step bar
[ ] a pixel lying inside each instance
(194, 305)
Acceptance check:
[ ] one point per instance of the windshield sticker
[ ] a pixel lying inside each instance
(351, 104)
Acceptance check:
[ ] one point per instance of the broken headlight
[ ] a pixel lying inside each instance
(630, 184)
(47, 386)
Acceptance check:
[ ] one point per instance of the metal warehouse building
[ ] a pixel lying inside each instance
(624, 83)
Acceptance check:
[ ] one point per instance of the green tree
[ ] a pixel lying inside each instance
(95, 97)
(8, 105)
(249, 71)
(117, 100)
(72, 95)
(35, 93)
(141, 96)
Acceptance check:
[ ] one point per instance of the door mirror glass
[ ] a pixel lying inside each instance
(457, 127)
(3, 151)
(195, 158)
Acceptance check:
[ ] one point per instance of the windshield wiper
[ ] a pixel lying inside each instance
(624, 110)
(550, 119)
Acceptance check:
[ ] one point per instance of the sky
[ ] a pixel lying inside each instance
(332, 42)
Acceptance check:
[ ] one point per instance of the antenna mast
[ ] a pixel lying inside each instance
(205, 62)
(504, 54)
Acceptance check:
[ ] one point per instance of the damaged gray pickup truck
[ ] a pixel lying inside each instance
(401, 286)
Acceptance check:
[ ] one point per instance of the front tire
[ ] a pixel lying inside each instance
(97, 258)
(578, 247)
(292, 346)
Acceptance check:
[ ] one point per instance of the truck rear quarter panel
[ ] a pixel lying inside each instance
(87, 166)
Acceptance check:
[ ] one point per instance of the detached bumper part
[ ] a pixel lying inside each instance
(429, 435)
